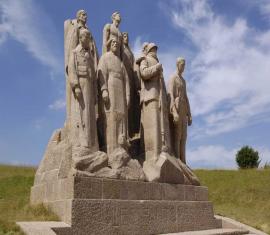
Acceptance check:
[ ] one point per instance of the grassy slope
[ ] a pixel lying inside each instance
(15, 184)
(243, 195)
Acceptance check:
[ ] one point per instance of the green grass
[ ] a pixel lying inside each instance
(15, 184)
(243, 195)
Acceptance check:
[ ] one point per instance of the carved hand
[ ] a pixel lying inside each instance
(105, 96)
(189, 120)
(175, 117)
(128, 101)
(78, 92)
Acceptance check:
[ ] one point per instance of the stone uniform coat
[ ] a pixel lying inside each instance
(82, 74)
(179, 106)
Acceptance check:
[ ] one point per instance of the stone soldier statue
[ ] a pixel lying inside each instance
(112, 31)
(150, 98)
(71, 40)
(82, 80)
(179, 110)
(134, 108)
(114, 85)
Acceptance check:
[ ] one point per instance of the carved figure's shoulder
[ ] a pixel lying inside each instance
(140, 59)
(107, 27)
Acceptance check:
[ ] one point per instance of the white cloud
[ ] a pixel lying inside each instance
(230, 80)
(264, 8)
(136, 46)
(219, 157)
(212, 156)
(58, 104)
(25, 22)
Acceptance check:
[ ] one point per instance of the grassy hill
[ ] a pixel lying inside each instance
(15, 184)
(243, 195)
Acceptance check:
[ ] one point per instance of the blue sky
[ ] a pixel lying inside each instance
(225, 42)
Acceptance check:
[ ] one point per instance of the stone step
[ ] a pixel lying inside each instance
(97, 188)
(60, 228)
(213, 232)
(43, 228)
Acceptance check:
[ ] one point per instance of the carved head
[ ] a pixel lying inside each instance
(112, 45)
(81, 16)
(84, 36)
(144, 48)
(125, 38)
(180, 64)
(122, 140)
(152, 49)
(116, 18)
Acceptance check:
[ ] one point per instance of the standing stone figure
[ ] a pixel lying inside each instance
(112, 31)
(150, 98)
(179, 110)
(134, 109)
(114, 85)
(72, 29)
(82, 80)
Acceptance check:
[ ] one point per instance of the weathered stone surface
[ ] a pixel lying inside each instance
(190, 177)
(118, 158)
(108, 173)
(44, 228)
(220, 231)
(140, 217)
(110, 206)
(114, 88)
(151, 99)
(179, 110)
(56, 161)
(132, 171)
(92, 162)
(165, 169)
(62, 208)
(112, 31)
(60, 228)
(134, 84)
(125, 167)
(101, 188)
(229, 223)
(80, 118)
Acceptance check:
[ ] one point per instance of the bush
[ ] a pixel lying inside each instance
(247, 157)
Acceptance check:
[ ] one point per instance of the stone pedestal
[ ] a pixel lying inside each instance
(105, 206)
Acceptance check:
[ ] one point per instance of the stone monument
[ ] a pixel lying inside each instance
(97, 185)
(179, 110)
(134, 86)
(112, 31)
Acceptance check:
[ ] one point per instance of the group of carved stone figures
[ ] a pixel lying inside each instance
(114, 100)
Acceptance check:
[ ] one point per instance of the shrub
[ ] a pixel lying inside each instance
(247, 157)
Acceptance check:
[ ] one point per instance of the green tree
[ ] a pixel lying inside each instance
(247, 157)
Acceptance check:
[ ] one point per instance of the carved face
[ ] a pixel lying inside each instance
(83, 17)
(117, 20)
(181, 66)
(85, 39)
(121, 140)
(114, 46)
(153, 52)
(125, 39)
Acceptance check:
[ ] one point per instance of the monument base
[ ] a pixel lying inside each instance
(105, 206)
